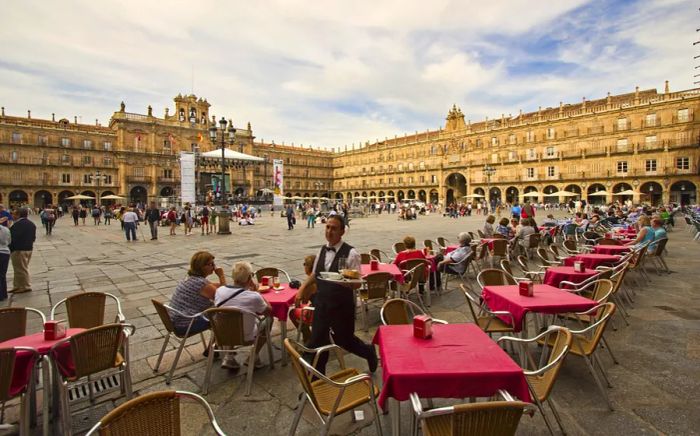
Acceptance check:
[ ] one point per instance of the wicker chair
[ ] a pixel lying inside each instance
(398, 247)
(87, 309)
(657, 256)
(379, 254)
(330, 395)
(541, 379)
(494, 277)
(271, 271)
(535, 276)
(9, 390)
(93, 351)
(500, 249)
(608, 241)
(163, 311)
(365, 258)
(467, 262)
(488, 418)
(412, 279)
(442, 242)
(376, 287)
(151, 414)
(14, 321)
(428, 243)
(489, 321)
(228, 334)
(398, 311)
(544, 259)
(586, 342)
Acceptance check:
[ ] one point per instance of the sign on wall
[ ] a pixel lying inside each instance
(187, 179)
(278, 181)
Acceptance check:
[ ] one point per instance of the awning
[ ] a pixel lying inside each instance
(232, 155)
(531, 194)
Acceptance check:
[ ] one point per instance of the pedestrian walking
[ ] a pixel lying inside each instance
(108, 215)
(23, 235)
(83, 214)
(96, 215)
(5, 239)
(131, 220)
(291, 219)
(153, 218)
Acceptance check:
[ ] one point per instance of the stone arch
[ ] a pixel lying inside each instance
(167, 191)
(684, 192)
(422, 196)
(400, 195)
(596, 199)
(89, 202)
(411, 194)
(62, 198)
(549, 198)
(512, 195)
(495, 194)
(18, 198)
(434, 196)
(622, 186)
(574, 188)
(338, 195)
(380, 195)
(42, 198)
(652, 193)
(390, 196)
(138, 194)
(458, 183)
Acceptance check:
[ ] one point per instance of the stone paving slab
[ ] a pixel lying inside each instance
(654, 387)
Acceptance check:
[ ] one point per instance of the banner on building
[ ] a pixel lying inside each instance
(187, 177)
(278, 181)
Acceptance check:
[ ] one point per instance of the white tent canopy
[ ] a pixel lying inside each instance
(598, 193)
(531, 194)
(627, 192)
(232, 155)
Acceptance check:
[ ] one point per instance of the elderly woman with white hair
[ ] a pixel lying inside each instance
(453, 261)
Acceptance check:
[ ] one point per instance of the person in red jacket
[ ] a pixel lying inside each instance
(412, 253)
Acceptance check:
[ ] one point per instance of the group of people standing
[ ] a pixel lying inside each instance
(17, 236)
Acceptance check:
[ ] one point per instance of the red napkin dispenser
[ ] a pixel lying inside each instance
(422, 326)
(579, 267)
(526, 288)
(54, 330)
(374, 265)
(609, 235)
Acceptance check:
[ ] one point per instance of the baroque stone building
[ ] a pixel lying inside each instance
(645, 142)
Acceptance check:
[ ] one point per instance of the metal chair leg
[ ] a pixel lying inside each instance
(177, 358)
(598, 382)
(210, 363)
(162, 351)
(297, 415)
(607, 347)
(556, 414)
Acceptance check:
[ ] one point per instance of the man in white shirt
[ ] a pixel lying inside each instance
(244, 295)
(131, 220)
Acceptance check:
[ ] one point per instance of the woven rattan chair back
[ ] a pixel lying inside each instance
(483, 252)
(365, 258)
(377, 253)
(154, 413)
(14, 323)
(227, 325)
(602, 290)
(267, 271)
(417, 274)
(557, 353)
(301, 373)
(603, 315)
(399, 312)
(480, 233)
(473, 303)
(494, 277)
(164, 316)
(499, 418)
(505, 266)
(660, 247)
(555, 251)
(543, 256)
(428, 243)
(96, 349)
(500, 248)
(498, 236)
(608, 241)
(570, 245)
(409, 264)
(398, 247)
(533, 240)
(376, 286)
(442, 241)
(86, 310)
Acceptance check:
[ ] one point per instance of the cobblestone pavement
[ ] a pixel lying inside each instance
(655, 384)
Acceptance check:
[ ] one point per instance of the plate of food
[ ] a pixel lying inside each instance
(330, 275)
(263, 288)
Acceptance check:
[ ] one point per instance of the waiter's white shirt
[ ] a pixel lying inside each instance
(353, 260)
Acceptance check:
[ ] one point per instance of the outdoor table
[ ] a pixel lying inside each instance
(281, 301)
(489, 241)
(557, 274)
(594, 260)
(393, 269)
(459, 361)
(451, 248)
(23, 362)
(546, 299)
(611, 249)
(628, 232)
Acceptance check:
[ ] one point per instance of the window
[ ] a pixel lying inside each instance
(512, 156)
(381, 181)
(65, 178)
(108, 179)
(371, 169)
(551, 133)
(410, 180)
(107, 146)
(86, 178)
(622, 145)
(622, 167)
(530, 137)
(14, 156)
(43, 140)
(650, 120)
(400, 167)
(511, 139)
(478, 142)
(683, 163)
(400, 180)
(494, 158)
(433, 179)
(87, 144)
(494, 141)
(16, 138)
(530, 173)
(65, 142)
(137, 143)
(421, 165)
(87, 160)
(391, 180)
(551, 172)
(107, 161)
(531, 154)
(167, 146)
(551, 152)
(622, 124)
(17, 175)
(650, 165)
(65, 159)
(682, 115)
(138, 171)
(650, 141)
(167, 174)
(410, 166)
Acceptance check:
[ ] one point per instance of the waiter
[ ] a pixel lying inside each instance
(334, 303)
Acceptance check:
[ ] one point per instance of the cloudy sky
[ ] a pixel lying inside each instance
(337, 72)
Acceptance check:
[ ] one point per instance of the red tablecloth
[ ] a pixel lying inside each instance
(557, 274)
(390, 268)
(611, 249)
(546, 299)
(451, 248)
(628, 232)
(594, 260)
(488, 241)
(459, 361)
(281, 301)
(23, 363)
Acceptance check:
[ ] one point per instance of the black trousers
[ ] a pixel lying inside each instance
(334, 308)
(4, 262)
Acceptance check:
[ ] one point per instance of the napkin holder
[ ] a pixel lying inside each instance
(265, 281)
(579, 267)
(54, 330)
(422, 327)
(374, 265)
(526, 288)
(608, 235)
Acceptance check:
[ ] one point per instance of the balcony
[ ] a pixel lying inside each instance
(167, 179)
(651, 123)
(138, 179)
(595, 130)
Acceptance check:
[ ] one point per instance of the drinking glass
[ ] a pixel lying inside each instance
(276, 283)
(341, 264)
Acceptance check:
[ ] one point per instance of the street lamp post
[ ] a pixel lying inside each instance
(488, 172)
(97, 178)
(230, 134)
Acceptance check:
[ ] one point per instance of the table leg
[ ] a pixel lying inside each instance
(46, 397)
(283, 336)
(395, 415)
(428, 297)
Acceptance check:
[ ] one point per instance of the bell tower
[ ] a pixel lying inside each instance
(190, 109)
(455, 120)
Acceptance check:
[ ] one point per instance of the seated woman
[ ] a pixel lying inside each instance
(488, 226)
(412, 253)
(195, 293)
(645, 233)
(304, 299)
(526, 229)
(503, 229)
